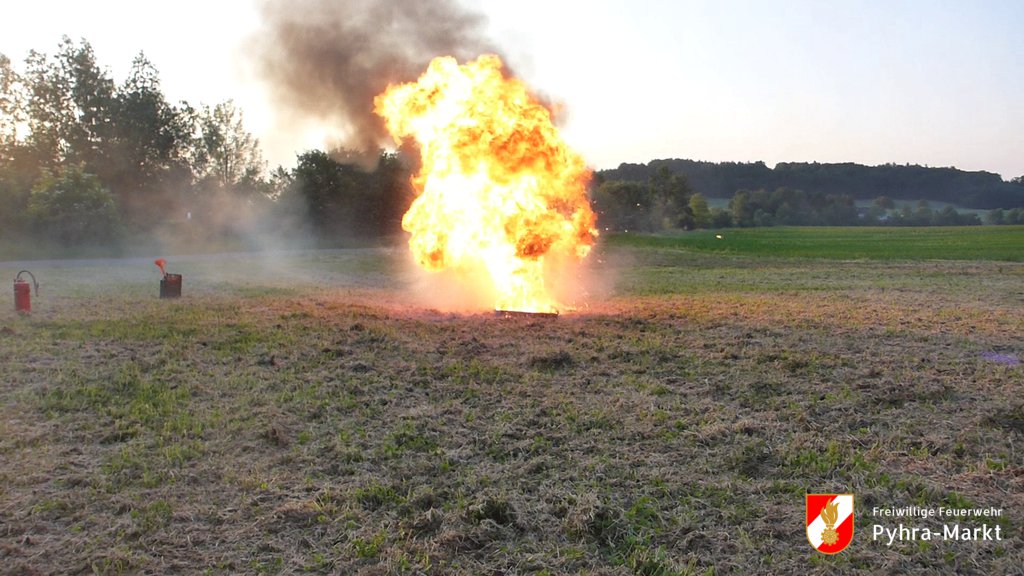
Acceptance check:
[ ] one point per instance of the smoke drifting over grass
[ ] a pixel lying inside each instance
(325, 60)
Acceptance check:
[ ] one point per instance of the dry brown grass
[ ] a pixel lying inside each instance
(664, 431)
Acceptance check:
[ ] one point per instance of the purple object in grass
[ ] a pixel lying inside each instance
(1007, 359)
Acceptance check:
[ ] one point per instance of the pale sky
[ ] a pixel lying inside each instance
(937, 83)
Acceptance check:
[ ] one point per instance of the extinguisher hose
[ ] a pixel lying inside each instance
(34, 283)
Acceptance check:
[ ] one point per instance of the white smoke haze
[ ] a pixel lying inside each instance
(450, 291)
(580, 284)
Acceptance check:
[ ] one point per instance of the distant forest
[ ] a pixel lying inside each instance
(88, 161)
(977, 190)
(675, 194)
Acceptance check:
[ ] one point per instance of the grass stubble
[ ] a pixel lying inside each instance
(671, 428)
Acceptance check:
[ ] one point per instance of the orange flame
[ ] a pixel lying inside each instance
(160, 262)
(498, 191)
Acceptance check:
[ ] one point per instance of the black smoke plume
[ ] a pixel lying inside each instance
(325, 60)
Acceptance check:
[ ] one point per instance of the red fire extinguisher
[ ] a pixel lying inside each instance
(22, 294)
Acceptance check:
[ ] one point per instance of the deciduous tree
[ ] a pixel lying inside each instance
(228, 155)
(71, 206)
(700, 210)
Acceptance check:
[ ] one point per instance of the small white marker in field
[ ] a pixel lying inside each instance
(719, 236)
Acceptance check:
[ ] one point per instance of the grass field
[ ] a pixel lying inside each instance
(912, 204)
(1005, 243)
(305, 415)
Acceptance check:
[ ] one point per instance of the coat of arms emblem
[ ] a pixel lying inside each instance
(830, 522)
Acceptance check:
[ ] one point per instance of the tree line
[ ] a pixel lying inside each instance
(976, 190)
(667, 201)
(84, 159)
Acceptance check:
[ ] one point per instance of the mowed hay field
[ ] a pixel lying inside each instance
(305, 415)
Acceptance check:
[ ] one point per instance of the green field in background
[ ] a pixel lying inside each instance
(998, 243)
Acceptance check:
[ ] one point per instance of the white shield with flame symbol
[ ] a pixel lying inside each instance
(830, 522)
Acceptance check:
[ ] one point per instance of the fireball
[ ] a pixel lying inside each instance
(499, 193)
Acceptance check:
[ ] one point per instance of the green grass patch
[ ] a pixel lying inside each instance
(995, 243)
